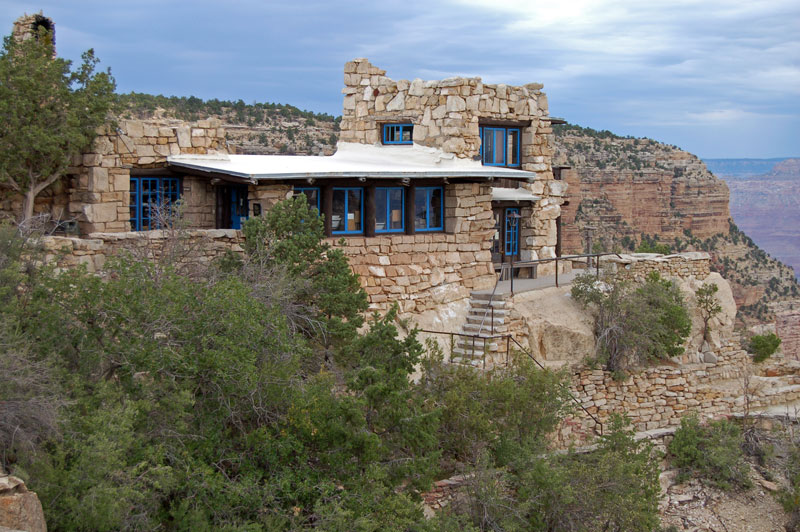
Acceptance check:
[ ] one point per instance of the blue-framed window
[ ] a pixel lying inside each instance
(390, 210)
(500, 146)
(398, 133)
(312, 194)
(429, 209)
(148, 195)
(347, 216)
(512, 232)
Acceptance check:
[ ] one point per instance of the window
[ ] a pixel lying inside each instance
(398, 133)
(500, 146)
(512, 232)
(429, 209)
(311, 194)
(347, 216)
(389, 210)
(148, 195)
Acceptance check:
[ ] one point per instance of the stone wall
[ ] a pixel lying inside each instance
(787, 327)
(420, 272)
(637, 266)
(425, 270)
(446, 114)
(96, 190)
(658, 397)
(189, 248)
(101, 196)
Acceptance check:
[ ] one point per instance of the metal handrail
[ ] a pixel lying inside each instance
(491, 298)
(529, 263)
(597, 422)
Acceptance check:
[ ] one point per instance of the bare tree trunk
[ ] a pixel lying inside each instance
(27, 206)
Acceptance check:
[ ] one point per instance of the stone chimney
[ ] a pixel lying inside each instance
(28, 26)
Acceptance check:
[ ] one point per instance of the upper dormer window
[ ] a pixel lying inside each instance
(500, 146)
(398, 133)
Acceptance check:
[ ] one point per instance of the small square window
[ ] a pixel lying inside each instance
(500, 146)
(398, 133)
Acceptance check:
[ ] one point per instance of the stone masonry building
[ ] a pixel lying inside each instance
(434, 183)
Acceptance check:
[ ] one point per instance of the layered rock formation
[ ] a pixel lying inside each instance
(627, 186)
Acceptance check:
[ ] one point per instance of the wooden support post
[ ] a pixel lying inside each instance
(369, 210)
(411, 200)
(327, 209)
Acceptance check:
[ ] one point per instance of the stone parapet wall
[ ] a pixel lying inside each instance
(787, 327)
(637, 266)
(194, 247)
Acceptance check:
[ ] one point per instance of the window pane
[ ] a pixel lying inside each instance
(338, 213)
(512, 148)
(435, 215)
(488, 146)
(380, 209)
(421, 209)
(396, 208)
(354, 210)
(499, 142)
(311, 195)
(407, 130)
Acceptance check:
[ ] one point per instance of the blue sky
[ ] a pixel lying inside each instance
(720, 78)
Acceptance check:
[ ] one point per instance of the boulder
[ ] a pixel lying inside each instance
(558, 329)
(20, 509)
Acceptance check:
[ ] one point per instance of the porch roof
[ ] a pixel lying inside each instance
(350, 161)
(513, 194)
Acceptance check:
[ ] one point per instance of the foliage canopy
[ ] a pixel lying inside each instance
(48, 113)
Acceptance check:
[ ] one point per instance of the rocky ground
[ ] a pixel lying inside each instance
(698, 506)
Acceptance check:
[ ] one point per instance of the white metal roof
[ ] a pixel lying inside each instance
(350, 160)
(513, 194)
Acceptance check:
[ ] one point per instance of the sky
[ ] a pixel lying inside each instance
(719, 78)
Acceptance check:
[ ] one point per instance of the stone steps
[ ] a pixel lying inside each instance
(485, 318)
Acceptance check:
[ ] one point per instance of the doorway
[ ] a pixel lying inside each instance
(505, 243)
(232, 206)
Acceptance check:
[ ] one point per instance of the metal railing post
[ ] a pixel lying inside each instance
(556, 272)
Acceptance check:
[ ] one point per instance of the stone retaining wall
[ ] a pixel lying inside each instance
(657, 397)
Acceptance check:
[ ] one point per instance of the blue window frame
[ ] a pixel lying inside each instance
(500, 146)
(149, 194)
(312, 194)
(429, 209)
(390, 210)
(398, 133)
(347, 216)
(512, 232)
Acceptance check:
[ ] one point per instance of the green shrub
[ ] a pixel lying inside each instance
(713, 452)
(634, 324)
(763, 346)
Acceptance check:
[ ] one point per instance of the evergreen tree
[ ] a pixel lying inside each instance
(49, 113)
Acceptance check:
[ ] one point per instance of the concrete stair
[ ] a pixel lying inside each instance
(486, 317)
